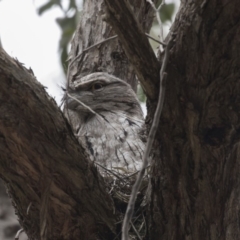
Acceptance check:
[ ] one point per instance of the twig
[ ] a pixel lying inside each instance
(114, 184)
(153, 130)
(158, 16)
(154, 39)
(131, 175)
(83, 104)
(88, 48)
(108, 170)
(28, 208)
(18, 234)
(143, 223)
(22, 230)
(135, 173)
(136, 231)
(151, 137)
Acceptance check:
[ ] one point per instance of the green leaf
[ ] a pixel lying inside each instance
(72, 4)
(45, 7)
(67, 23)
(140, 94)
(68, 26)
(157, 3)
(166, 12)
(64, 56)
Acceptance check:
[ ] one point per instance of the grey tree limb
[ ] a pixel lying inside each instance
(136, 45)
(195, 172)
(195, 175)
(44, 165)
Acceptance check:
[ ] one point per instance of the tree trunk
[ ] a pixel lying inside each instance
(194, 172)
(108, 56)
(195, 176)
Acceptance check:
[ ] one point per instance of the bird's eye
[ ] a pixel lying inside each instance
(97, 86)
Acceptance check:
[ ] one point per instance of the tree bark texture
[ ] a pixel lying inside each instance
(57, 192)
(141, 56)
(109, 56)
(195, 176)
(41, 162)
(195, 170)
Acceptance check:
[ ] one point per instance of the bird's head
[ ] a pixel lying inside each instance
(101, 92)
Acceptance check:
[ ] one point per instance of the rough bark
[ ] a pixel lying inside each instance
(195, 171)
(109, 56)
(43, 165)
(57, 192)
(195, 180)
(140, 54)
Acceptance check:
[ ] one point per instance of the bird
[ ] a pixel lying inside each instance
(108, 121)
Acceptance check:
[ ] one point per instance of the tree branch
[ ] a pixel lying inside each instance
(195, 180)
(43, 164)
(64, 193)
(150, 140)
(135, 44)
(108, 57)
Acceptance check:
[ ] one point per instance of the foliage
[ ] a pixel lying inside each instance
(140, 93)
(67, 24)
(166, 12)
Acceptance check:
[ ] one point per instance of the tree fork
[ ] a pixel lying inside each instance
(44, 166)
(57, 192)
(195, 177)
(195, 180)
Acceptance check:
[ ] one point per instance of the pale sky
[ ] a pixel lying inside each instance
(33, 40)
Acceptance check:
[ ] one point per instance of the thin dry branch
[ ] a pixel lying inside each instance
(154, 39)
(72, 61)
(135, 44)
(157, 12)
(18, 234)
(150, 140)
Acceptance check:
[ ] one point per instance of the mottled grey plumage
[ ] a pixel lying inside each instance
(108, 121)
